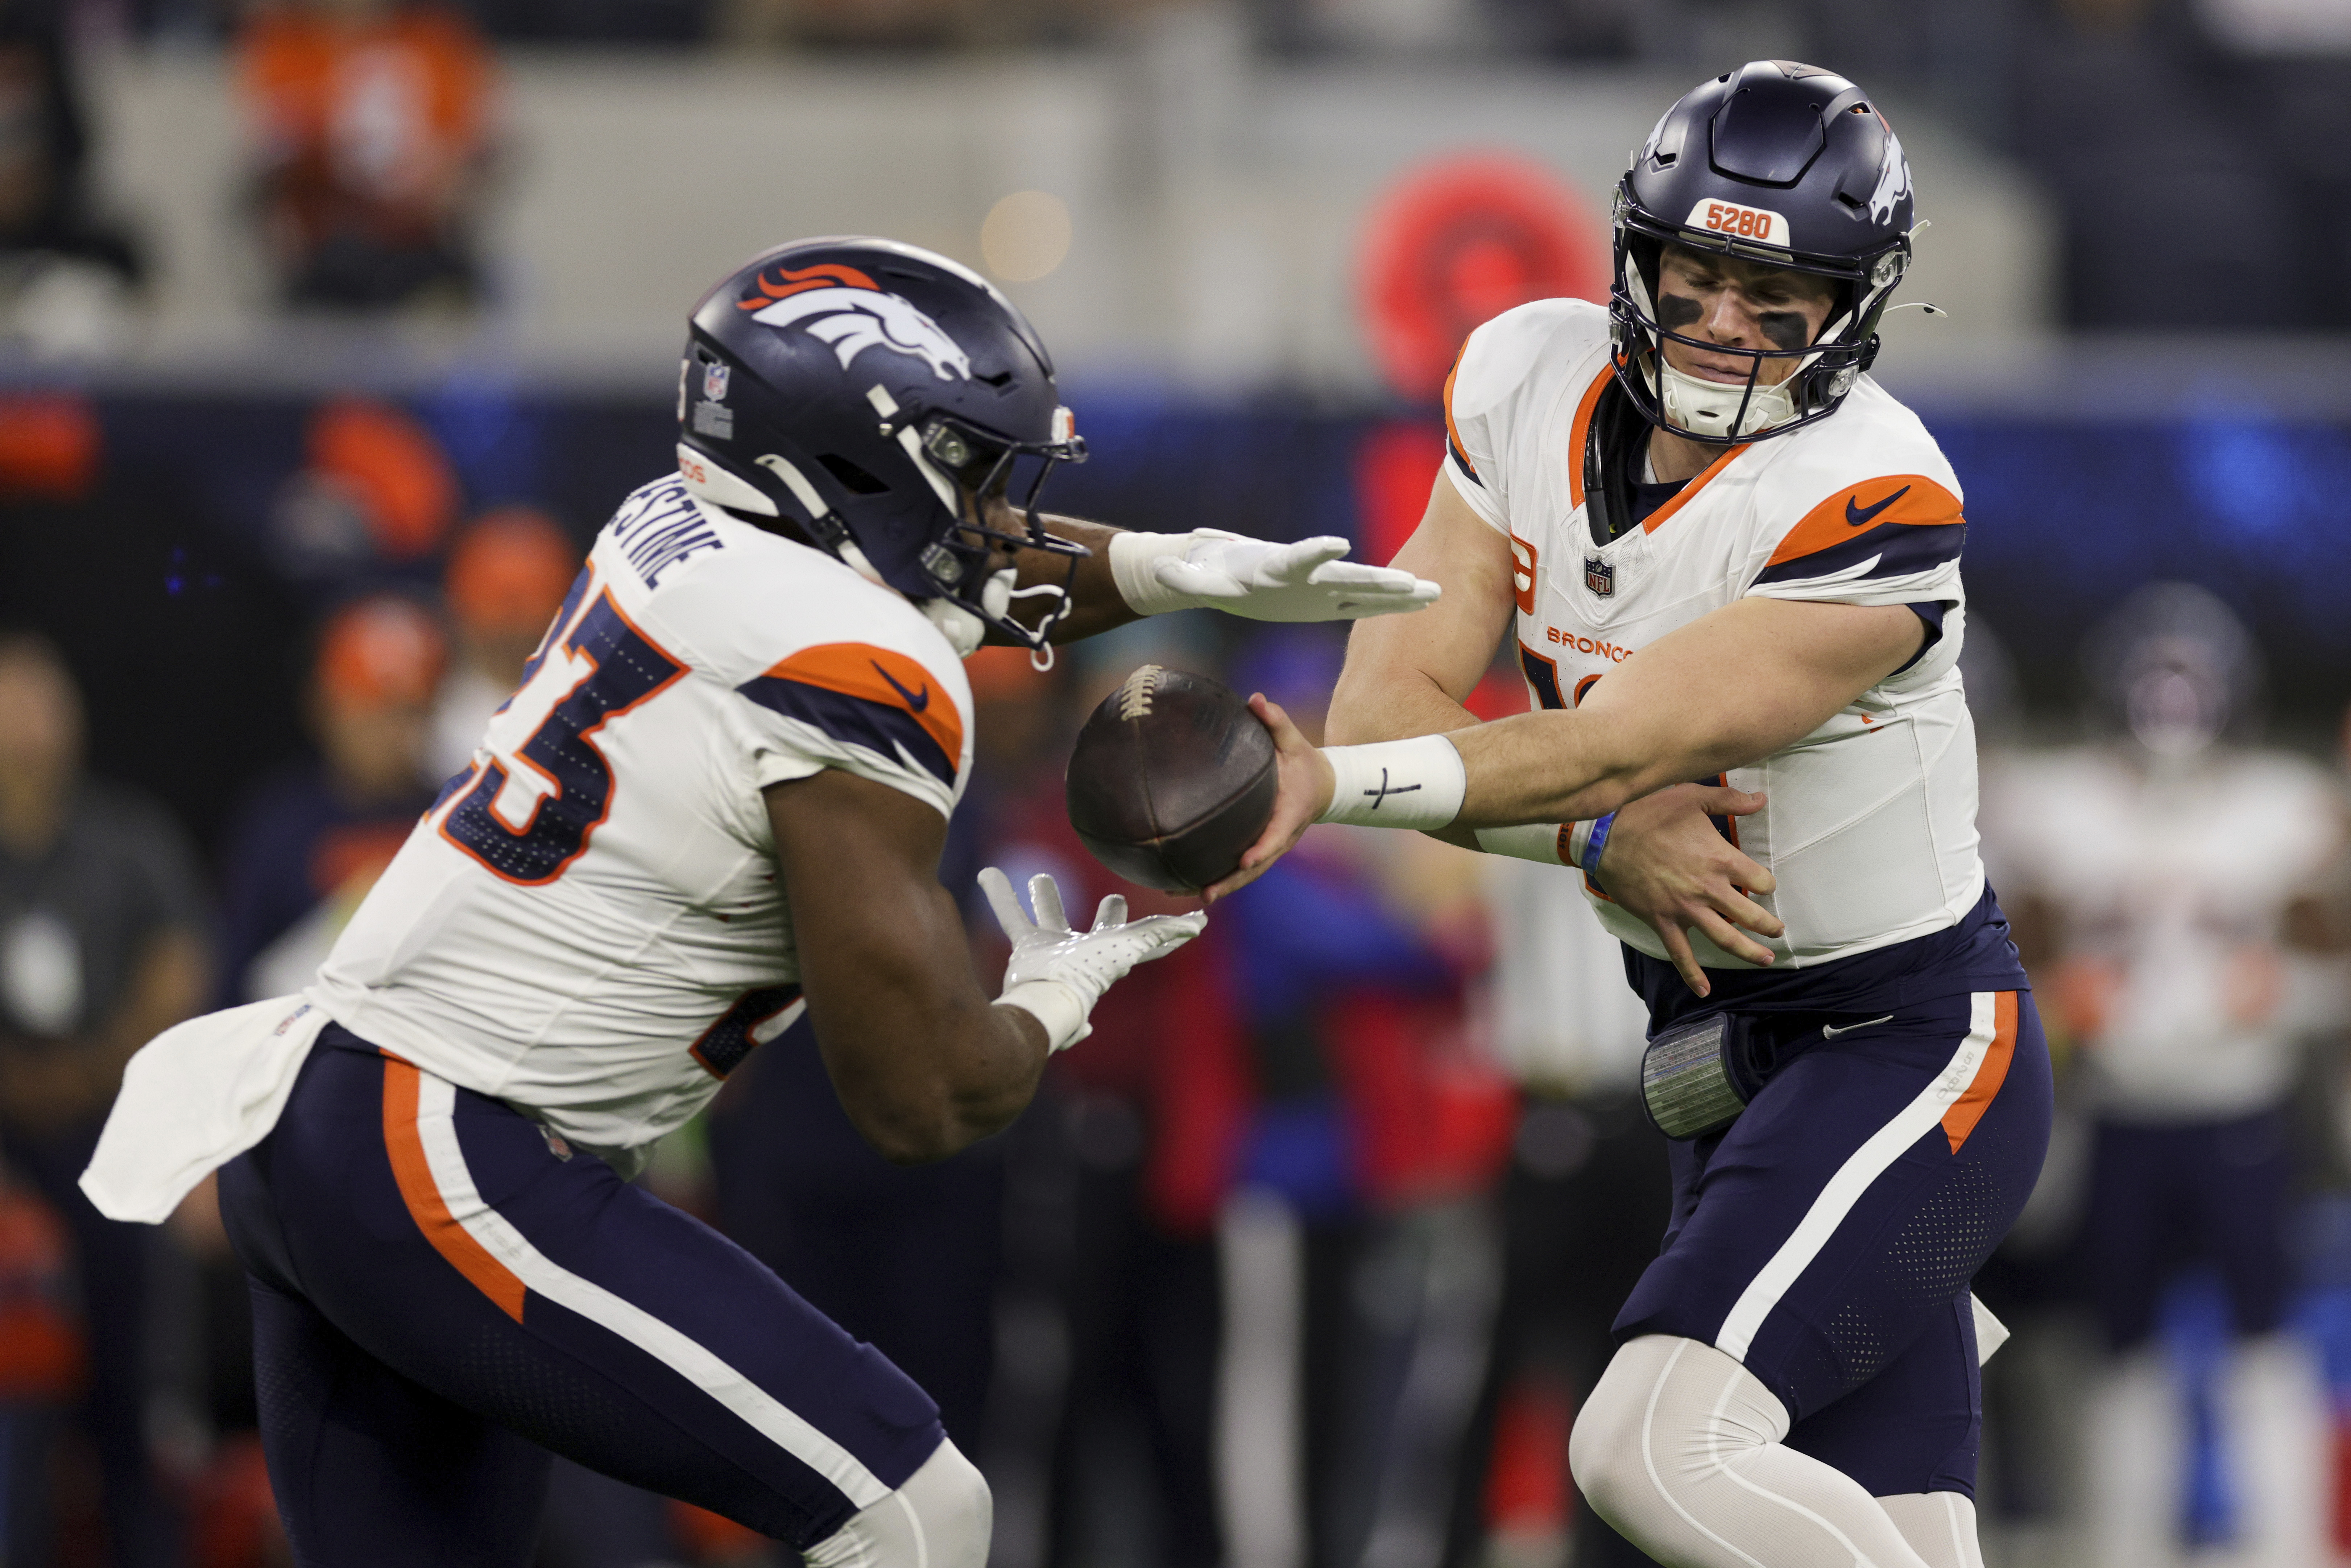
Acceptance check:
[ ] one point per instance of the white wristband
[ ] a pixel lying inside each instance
(1132, 560)
(1416, 783)
(1542, 843)
(1056, 1006)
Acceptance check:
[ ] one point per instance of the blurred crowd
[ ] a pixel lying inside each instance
(372, 134)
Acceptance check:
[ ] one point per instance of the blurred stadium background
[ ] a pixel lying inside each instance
(330, 331)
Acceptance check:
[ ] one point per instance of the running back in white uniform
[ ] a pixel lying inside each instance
(589, 925)
(1870, 828)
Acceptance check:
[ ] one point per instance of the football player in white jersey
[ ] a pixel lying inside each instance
(717, 801)
(1730, 557)
(2182, 982)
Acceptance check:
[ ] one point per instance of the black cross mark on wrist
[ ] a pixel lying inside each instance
(1379, 796)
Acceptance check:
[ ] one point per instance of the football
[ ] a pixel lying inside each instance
(1171, 780)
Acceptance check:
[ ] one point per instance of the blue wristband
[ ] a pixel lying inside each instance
(1598, 842)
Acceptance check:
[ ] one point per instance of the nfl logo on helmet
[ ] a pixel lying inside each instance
(1600, 576)
(715, 376)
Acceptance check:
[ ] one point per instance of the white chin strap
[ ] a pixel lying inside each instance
(965, 632)
(1709, 408)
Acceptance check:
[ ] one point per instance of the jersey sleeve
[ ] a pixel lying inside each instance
(822, 669)
(1871, 517)
(1491, 385)
(866, 709)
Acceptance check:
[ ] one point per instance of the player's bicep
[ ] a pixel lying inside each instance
(1745, 681)
(878, 938)
(1449, 644)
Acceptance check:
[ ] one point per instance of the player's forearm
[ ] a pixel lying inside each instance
(925, 1067)
(1097, 604)
(1566, 765)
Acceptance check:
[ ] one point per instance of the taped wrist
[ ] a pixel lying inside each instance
(1416, 783)
(1545, 843)
(1058, 1006)
(1134, 558)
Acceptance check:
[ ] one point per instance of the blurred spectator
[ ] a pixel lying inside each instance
(375, 489)
(1363, 1133)
(1585, 1202)
(100, 948)
(2176, 974)
(64, 275)
(505, 577)
(372, 121)
(313, 837)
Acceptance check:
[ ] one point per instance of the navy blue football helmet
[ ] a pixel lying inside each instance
(877, 397)
(1786, 165)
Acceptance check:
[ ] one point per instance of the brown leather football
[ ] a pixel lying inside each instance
(1171, 779)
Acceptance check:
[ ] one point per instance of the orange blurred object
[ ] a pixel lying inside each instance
(999, 672)
(371, 124)
(48, 446)
(1526, 1482)
(41, 1351)
(508, 571)
(396, 468)
(381, 651)
(711, 1538)
(233, 1512)
(1396, 464)
(1456, 241)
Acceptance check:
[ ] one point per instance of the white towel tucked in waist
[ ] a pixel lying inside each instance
(194, 1098)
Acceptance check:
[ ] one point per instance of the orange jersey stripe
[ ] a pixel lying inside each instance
(1577, 430)
(1911, 498)
(1452, 431)
(879, 675)
(403, 1086)
(1962, 1118)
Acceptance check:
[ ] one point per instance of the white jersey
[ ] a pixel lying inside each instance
(2173, 887)
(1870, 828)
(589, 923)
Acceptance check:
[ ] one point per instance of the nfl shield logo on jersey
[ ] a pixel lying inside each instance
(714, 381)
(1600, 576)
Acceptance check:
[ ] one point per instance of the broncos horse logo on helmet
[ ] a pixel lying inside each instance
(853, 313)
(879, 402)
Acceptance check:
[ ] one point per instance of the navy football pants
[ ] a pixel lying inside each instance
(1827, 1237)
(440, 1299)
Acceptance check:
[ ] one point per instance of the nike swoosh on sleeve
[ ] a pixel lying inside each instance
(856, 693)
(1854, 517)
(917, 703)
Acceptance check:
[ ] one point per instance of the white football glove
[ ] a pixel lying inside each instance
(1211, 569)
(1056, 975)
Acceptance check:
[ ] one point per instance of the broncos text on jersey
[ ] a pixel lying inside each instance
(1870, 828)
(588, 924)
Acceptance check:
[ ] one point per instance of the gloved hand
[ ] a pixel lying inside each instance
(1211, 569)
(1056, 973)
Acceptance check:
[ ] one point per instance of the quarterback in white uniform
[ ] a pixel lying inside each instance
(718, 800)
(1731, 561)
